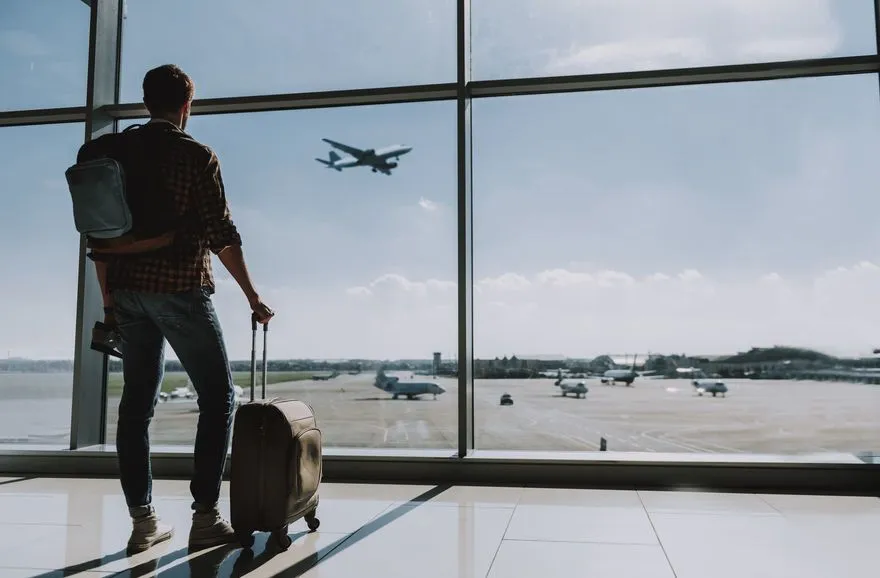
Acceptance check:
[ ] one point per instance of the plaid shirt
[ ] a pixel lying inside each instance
(193, 173)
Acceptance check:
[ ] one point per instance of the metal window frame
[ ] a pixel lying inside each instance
(466, 464)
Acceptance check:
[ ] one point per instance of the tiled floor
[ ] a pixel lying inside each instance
(78, 527)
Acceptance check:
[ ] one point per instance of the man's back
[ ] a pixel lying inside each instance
(191, 171)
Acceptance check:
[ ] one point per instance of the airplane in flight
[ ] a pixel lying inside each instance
(410, 389)
(713, 386)
(579, 389)
(377, 160)
(626, 376)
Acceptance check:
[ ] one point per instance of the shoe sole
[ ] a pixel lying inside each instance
(142, 547)
(213, 541)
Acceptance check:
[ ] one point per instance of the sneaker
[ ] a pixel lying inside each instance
(147, 529)
(209, 529)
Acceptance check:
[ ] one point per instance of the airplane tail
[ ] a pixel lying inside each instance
(331, 161)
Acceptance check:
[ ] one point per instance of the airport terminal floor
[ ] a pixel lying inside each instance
(78, 527)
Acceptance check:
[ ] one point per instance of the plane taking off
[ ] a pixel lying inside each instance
(377, 160)
(410, 389)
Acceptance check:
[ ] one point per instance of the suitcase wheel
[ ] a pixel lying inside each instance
(282, 539)
(312, 521)
(246, 539)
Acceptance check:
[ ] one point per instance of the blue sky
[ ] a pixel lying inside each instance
(702, 219)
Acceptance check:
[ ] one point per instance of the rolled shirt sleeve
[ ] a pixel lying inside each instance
(210, 200)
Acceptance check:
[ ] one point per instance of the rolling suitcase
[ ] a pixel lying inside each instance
(276, 467)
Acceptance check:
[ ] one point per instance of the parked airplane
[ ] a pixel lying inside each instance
(579, 389)
(627, 376)
(411, 389)
(713, 386)
(325, 377)
(378, 161)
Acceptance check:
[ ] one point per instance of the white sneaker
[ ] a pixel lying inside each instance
(147, 529)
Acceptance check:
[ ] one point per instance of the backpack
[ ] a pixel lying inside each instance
(120, 201)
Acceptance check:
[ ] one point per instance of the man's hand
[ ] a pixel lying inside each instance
(262, 313)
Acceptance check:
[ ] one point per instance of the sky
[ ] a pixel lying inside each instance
(698, 220)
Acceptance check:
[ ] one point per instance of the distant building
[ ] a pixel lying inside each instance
(436, 366)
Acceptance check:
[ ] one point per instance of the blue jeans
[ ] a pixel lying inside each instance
(190, 324)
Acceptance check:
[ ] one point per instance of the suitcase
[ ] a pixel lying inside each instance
(276, 463)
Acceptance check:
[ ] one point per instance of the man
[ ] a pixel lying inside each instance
(167, 295)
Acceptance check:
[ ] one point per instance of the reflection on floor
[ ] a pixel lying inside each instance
(78, 527)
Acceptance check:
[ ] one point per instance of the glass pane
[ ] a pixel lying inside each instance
(526, 38)
(359, 265)
(234, 48)
(691, 234)
(44, 53)
(40, 247)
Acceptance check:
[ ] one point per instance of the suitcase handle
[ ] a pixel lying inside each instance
(254, 355)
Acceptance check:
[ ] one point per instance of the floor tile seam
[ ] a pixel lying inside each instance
(657, 535)
(721, 513)
(50, 524)
(454, 505)
(501, 541)
(44, 570)
(591, 542)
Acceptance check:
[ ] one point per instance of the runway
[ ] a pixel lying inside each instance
(778, 417)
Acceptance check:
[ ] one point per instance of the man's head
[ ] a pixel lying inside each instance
(168, 92)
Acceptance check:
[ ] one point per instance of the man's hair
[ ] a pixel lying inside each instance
(166, 89)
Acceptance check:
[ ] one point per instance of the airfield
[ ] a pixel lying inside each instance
(654, 415)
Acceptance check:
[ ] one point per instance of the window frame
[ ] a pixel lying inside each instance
(89, 453)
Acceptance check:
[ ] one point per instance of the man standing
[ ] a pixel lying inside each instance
(167, 295)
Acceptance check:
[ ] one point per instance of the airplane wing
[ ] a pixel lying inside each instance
(353, 151)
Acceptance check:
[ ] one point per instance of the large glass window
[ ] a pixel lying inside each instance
(39, 249)
(44, 53)
(529, 38)
(234, 48)
(359, 265)
(682, 238)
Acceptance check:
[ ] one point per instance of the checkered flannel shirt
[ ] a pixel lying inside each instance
(193, 173)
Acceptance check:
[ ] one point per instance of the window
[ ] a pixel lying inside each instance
(705, 233)
(231, 48)
(527, 38)
(44, 53)
(39, 247)
(359, 265)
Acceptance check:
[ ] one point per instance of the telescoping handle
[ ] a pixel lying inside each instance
(254, 355)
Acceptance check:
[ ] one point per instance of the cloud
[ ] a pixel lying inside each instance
(595, 36)
(576, 313)
(428, 205)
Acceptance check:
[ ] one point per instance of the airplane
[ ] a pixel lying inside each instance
(376, 160)
(579, 389)
(713, 386)
(627, 376)
(177, 392)
(325, 377)
(410, 389)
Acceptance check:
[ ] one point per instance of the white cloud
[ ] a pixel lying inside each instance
(428, 205)
(576, 313)
(594, 36)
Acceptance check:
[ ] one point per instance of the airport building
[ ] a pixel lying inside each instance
(545, 154)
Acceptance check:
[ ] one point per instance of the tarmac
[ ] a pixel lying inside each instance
(654, 415)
